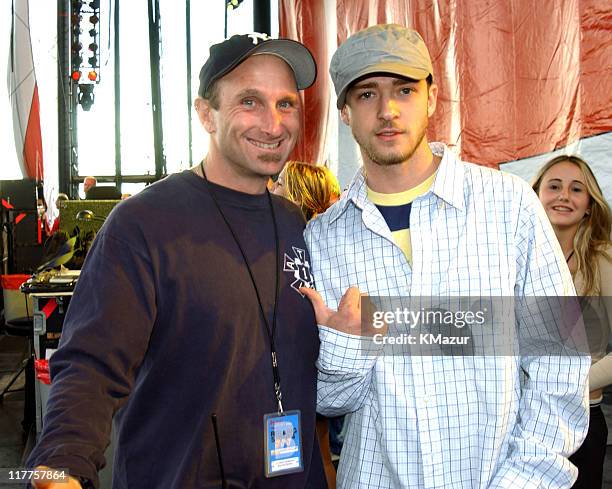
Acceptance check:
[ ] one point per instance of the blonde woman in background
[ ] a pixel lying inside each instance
(581, 219)
(313, 189)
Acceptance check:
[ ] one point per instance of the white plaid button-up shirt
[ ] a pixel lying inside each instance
(440, 421)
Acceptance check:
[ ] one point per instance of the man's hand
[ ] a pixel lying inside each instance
(51, 483)
(348, 317)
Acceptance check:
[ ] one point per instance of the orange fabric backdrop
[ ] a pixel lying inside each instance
(305, 22)
(516, 78)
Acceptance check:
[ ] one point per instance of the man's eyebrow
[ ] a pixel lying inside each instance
(403, 81)
(252, 92)
(373, 84)
(290, 97)
(248, 92)
(365, 84)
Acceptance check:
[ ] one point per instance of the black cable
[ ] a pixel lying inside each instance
(271, 331)
(213, 418)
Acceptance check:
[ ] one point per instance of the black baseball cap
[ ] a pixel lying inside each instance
(227, 55)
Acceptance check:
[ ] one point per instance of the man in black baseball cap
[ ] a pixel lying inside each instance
(253, 129)
(225, 56)
(189, 328)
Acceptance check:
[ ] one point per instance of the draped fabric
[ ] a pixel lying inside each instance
(516, 78)
(305, 22)
(23, 92)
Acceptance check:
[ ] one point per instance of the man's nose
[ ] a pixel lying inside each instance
(272, 121)
(389, 108)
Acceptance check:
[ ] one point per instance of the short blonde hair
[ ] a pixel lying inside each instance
(313, 188)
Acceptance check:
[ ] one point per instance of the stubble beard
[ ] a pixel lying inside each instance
(389, 158)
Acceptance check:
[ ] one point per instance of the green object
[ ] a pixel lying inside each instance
(70, 208)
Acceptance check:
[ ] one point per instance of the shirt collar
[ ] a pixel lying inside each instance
(448, 184)
(449, 179)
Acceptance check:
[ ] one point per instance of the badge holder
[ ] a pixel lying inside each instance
(282, 430)
(283, 443)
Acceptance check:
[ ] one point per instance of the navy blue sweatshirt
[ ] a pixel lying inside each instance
(164, 329)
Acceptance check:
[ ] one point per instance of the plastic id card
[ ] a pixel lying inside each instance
(283, 443)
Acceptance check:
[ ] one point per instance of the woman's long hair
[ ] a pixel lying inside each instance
(593, 234)
(313, 188)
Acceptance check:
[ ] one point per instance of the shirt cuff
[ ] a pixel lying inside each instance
(344, 351)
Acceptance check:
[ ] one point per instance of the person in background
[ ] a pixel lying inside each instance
(43, 221)
(89, 183)
(581, 219)
(314, 189)
(61, 197)
(419, 223)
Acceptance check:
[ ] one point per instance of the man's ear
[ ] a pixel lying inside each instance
(432, 99)
(205, 114)
(345, 115)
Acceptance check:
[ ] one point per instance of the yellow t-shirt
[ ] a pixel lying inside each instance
(395, 208)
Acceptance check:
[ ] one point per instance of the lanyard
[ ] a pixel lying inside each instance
(272, 330)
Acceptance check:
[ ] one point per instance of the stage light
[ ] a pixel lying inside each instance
(232, 4)
(86, 96)
(85, 49)
(75, 66)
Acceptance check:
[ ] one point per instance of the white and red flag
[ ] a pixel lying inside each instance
(23, 92)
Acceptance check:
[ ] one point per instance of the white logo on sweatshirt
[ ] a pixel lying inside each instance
(300, 267)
